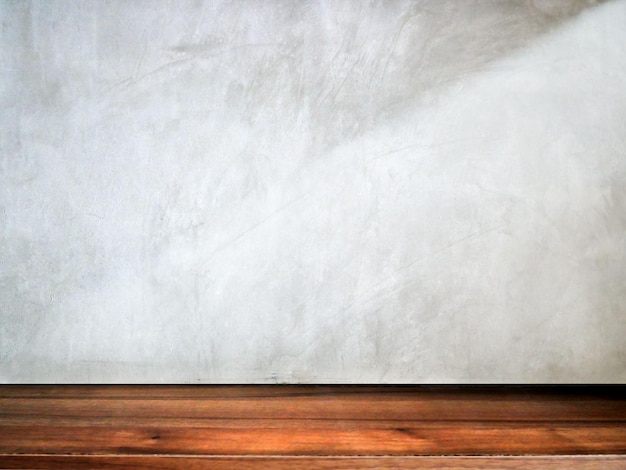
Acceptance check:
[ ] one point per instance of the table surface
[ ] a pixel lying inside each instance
(312, 426)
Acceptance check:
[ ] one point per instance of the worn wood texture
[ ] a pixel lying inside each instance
(304, 427)
(599, 462)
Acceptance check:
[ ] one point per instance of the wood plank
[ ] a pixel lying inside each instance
(171, 392)
(438, 439)
(420, 406)
(243, 423)
(596, 462)
(312, 426)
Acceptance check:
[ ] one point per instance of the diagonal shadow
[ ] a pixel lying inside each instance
(433, 44)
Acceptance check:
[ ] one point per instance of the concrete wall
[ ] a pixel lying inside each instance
(324, 191)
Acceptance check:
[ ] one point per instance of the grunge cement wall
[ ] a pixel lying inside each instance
(324, 191)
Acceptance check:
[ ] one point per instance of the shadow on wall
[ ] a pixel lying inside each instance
(354, 65)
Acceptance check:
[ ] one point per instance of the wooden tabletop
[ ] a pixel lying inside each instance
(344, 427)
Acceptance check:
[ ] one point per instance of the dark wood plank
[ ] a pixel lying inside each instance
(598, 462)
(459, 392)
(397, 404)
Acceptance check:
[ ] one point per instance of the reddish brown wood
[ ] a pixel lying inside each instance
(454, 439)
(290, 402)
(598, 462)
(293, 426)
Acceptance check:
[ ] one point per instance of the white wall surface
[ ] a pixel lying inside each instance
(316, 191)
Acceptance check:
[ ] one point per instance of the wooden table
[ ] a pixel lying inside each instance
(302, 427)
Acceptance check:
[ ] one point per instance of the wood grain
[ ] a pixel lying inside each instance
(320, 427)
(461, 438)
(597, 462)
